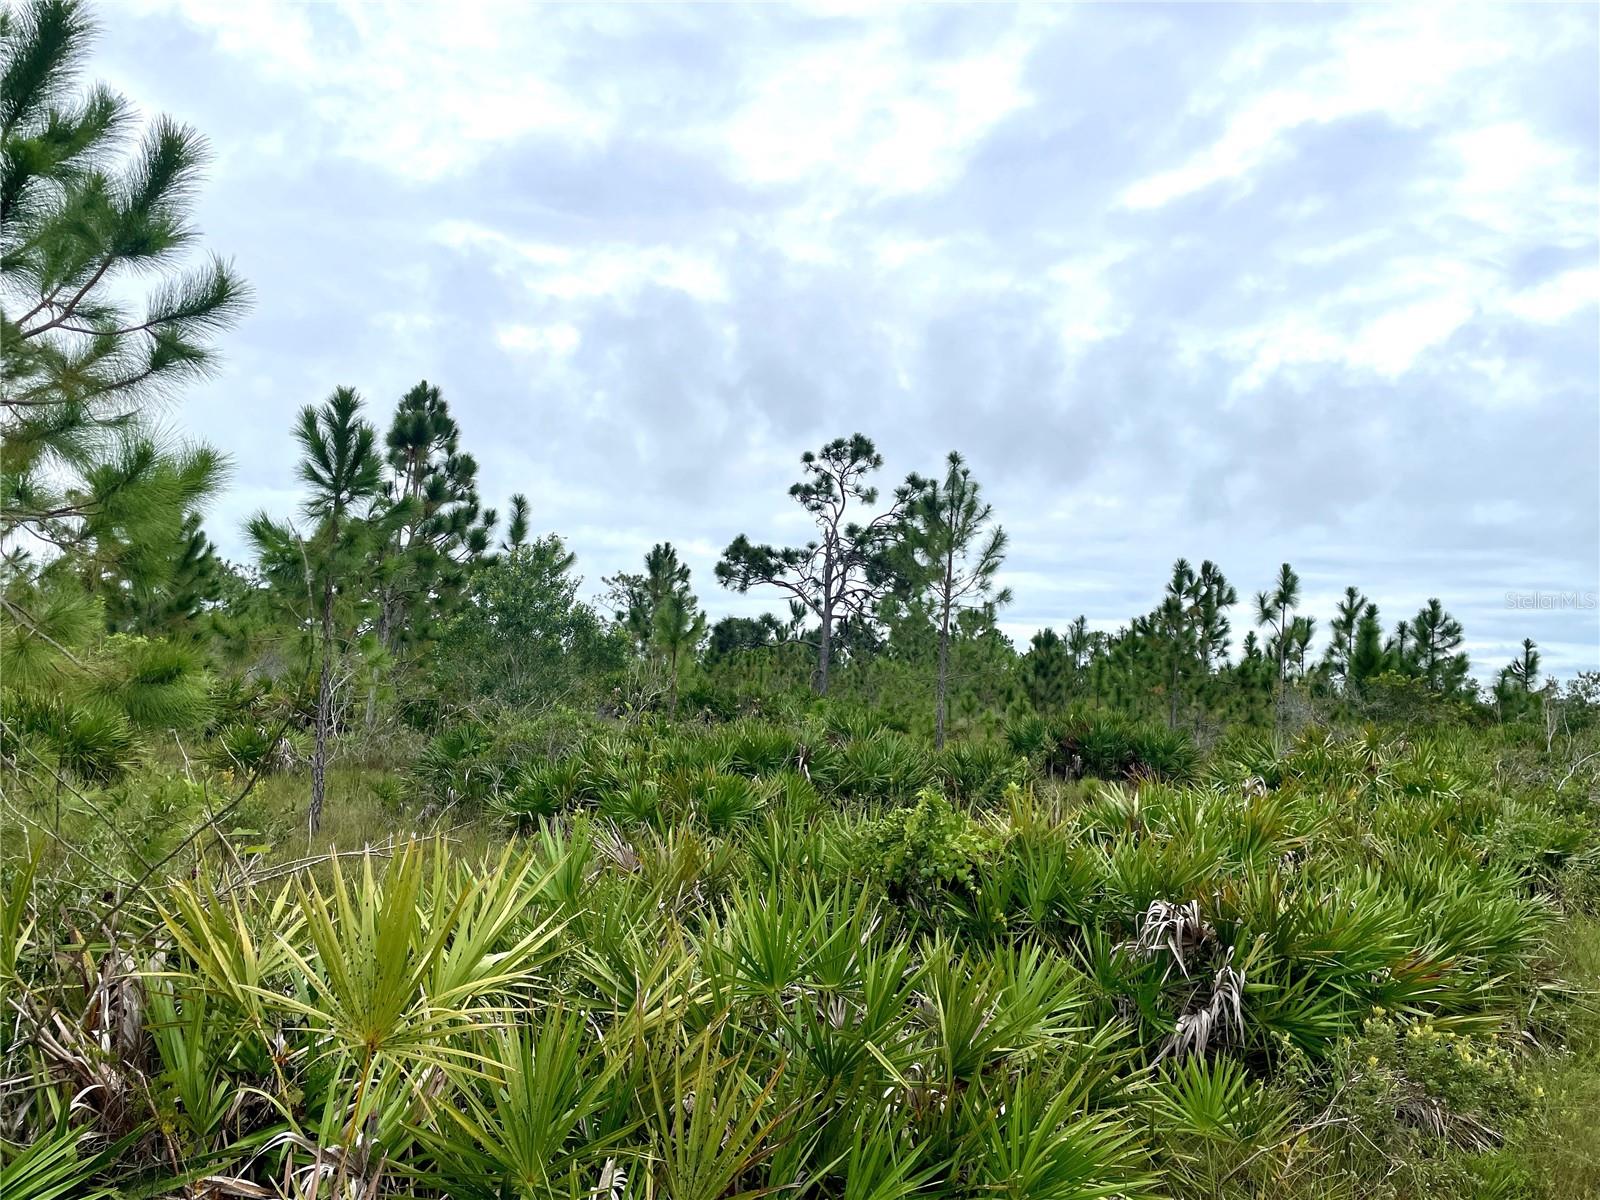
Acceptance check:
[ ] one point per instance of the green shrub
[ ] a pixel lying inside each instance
(979, 772)
(249, 748)
(926, 849)
(544, 790)
(882, 766)
(1029, 736)
(1427, 1108)
(457, 765)
(1109, 746)
(721, 801)
(757, 749)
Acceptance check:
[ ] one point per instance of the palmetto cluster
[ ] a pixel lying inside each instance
(669, 990)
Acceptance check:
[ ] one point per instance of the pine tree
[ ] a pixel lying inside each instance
(659, 611)
(843, 573)
(1523, 672)
(951, 551)
(82, 224)
(679, 626)
(1048, 670)
(1190, 627)
(439, 529)
(1436, 638)
(343, 474)
(1274, 611)
(516, 524)
(1342, 644)
(1366, 655)
(636, 598)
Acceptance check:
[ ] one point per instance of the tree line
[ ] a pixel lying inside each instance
(396, 593)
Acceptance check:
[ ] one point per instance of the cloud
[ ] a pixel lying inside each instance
(1237, 282)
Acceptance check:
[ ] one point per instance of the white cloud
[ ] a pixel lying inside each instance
(1403, 62)
(1557, 298)
(674, 247)
(558, 340)
(866, 115)
(421, 89)
(572, 273)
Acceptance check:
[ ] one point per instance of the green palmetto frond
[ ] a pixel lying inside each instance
(55, 1167)
(395, 973)
(541, 1120)
(1035, 1141)
(715, 1122)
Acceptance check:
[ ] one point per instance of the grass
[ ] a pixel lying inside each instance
(1560, 1143)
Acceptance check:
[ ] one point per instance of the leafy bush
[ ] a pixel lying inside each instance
(881, 766)
(95, 742)
(458, 765)
(722, 802)
(544, 790)
(924, 850)
(1430, 1103)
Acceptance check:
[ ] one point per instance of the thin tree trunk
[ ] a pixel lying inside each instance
(824, 651)
(944, 678)
(825, 642)
(1283, 638)
(319, 757)
(1172, 697)
(385, 635)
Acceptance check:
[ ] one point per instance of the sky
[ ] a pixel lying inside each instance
(1252, 283)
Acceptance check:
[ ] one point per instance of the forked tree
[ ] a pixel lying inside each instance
(842, 573)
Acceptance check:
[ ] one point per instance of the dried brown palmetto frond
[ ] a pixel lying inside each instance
(1222, 1013)
(1177, 928)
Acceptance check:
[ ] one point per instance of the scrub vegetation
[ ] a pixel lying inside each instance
(388, 864)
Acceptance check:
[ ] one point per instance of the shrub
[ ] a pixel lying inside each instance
(980, 772)
(634, 799)
(456, 765)
(1029, 736)
(545, 790)
(1104, 744)
(722, 802)
(756, 749)
(1431, 1105)
(250, 748)
(925, 849)
(882, 766)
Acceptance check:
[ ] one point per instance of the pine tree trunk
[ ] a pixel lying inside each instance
(319, 757)
(385, 636)
(825, 642)
(824, 651)
(944, 679)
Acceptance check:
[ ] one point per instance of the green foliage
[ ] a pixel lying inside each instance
(1433, 1103)
(525, 638)
(920, 852)
(733, 939)
(85, 217)
(247, 748)
(1109, 746)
